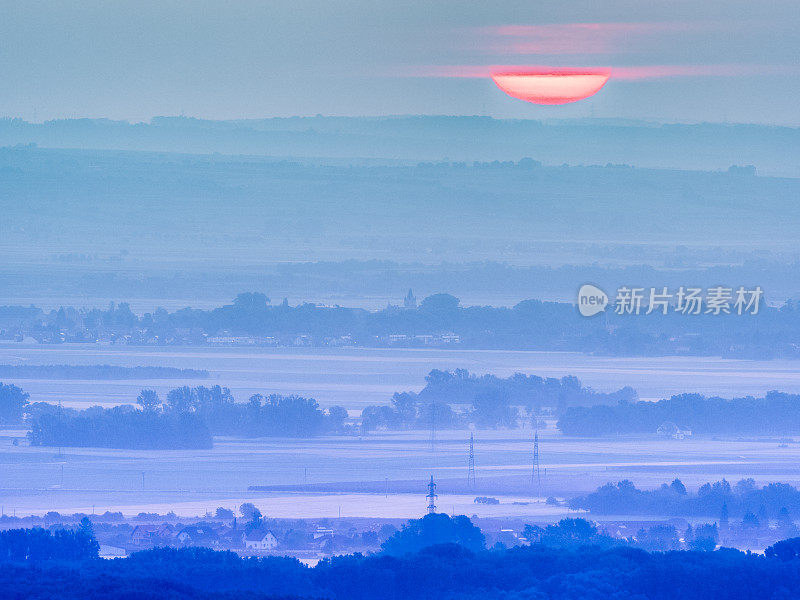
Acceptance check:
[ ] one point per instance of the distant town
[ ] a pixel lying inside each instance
(248, 532)
(437, 321)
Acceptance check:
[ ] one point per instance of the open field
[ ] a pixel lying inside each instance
(382, 475)
(355, 378)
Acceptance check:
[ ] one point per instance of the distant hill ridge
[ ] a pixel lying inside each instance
(772, 149)
(98, 372)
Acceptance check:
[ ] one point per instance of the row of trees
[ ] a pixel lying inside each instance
(39, 545)
(573, 533)
(186, 419)
(120, 427)
(529, 391)
(531, 324)
(777, 413)
(456, 398)
(262, 415)
(755, 505)
(450, 399)
(436, 529)
(435, 557)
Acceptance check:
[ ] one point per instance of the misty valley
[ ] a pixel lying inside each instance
(399, 300)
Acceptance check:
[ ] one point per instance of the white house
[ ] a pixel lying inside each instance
(670, 429)
(260, 539)
(323, 532)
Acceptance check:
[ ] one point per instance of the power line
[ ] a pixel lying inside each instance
(433, 425)
(471, 472)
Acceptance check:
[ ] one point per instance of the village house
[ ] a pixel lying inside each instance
(143, 535)
(323, 532)
(260, 539)
(198, 535)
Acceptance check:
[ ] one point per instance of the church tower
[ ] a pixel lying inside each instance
(410, 301)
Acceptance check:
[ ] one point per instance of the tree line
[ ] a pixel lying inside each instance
(435, 557)
(120, 427)
(37, 545)
(457, 398)
(263, 415)
(719, 500)
(99, 372)
(529, 325)
(186, 419)
(777, 413)
(450, 399)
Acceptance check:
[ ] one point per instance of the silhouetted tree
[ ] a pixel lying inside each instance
(148, 400)
(13, 401)
(435, 529)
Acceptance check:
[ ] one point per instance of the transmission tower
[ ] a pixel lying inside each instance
(535, 473)
(471, 472)
(431, 497)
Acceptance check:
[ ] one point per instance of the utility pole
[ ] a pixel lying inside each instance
(471, 471)
(535, 473)
(431, 497)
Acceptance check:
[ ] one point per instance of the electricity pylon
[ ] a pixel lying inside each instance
(431, 497)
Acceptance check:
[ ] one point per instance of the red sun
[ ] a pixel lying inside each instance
(551, 86)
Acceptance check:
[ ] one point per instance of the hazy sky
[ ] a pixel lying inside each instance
(734, 60)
